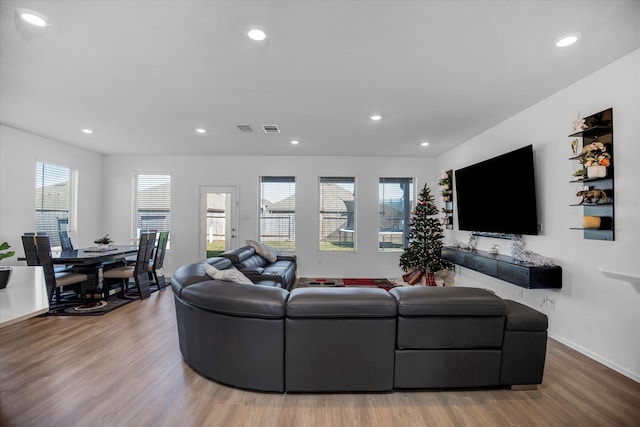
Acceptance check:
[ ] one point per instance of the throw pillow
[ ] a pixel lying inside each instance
(210, 270)
(263, 250)
(232, 276)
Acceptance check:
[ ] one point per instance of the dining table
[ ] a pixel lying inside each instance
(91, 261)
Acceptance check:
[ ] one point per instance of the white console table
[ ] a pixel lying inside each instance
(24, 297)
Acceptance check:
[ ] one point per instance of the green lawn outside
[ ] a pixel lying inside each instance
(215, 248)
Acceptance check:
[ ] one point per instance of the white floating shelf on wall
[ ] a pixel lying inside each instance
(634, 279)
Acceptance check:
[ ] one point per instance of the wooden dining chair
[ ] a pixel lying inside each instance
(37, 250)
(138, 272)
(156, 273)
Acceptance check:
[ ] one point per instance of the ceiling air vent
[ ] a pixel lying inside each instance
(245, 128)
(270, 129)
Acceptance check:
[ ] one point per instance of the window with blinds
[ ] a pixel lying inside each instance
(55, 200)
(337, 214)
(395, 198)
(151, 204)
(277, 224)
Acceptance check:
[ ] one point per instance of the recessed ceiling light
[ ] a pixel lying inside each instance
(295, 142)
(375, 117)
(32, 17)
(566, 40)
(88, 131)
(424, 144)
(200, 130)
(256, 34)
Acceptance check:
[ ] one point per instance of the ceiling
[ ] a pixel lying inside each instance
(144, 74)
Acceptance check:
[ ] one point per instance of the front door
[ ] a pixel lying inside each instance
(218, 222)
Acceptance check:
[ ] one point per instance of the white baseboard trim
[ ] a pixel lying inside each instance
(606, 362)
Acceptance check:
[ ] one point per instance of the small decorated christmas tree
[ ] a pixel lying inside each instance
(424, 252)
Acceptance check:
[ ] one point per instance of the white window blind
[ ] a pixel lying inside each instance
(55, 200)
(151, 205)
(277, 225)
(394, 206)
(337, 214)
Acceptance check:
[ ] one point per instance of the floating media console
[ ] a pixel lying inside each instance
(505, 268)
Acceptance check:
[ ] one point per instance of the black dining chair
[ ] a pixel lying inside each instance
(156, 273)
(37, 250)
(138, 272)
(65, 240)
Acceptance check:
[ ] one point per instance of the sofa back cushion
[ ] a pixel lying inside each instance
(340, 303)
(219, 263)
(253, 262)
(263, 250)
(237, 299)
(236, 256)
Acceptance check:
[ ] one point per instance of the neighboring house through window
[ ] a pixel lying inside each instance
(151, 204)
(277, 225)
(337, 214)
(394, 204)
(55, 200)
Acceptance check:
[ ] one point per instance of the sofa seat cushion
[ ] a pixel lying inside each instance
(237, 299)
(340, 303)
(279, 268)
(523, 318)
(447, 301)
(267, 282)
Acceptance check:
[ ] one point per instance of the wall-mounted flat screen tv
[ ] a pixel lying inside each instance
(498, 195)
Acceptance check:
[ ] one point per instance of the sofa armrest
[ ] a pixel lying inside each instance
(288, 257)
(252, 271)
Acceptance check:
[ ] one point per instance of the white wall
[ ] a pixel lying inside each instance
(191, 172)
(593, 314)
(19, 152)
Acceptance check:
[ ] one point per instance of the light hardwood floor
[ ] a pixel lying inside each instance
(125, 369)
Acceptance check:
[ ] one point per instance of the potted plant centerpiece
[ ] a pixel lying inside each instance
(103, 242)
(5, 272)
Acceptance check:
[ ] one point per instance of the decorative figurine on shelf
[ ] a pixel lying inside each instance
(574, 146)
(578, 124)
(592, 197)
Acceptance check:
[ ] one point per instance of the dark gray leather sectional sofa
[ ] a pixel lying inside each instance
(266, 338)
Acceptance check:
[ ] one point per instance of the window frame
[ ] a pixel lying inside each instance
(71, 203)
(406, 214)
(135, 231)
(343, 235)
(275, 179)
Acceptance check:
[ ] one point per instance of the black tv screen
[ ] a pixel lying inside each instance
(498, 195)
